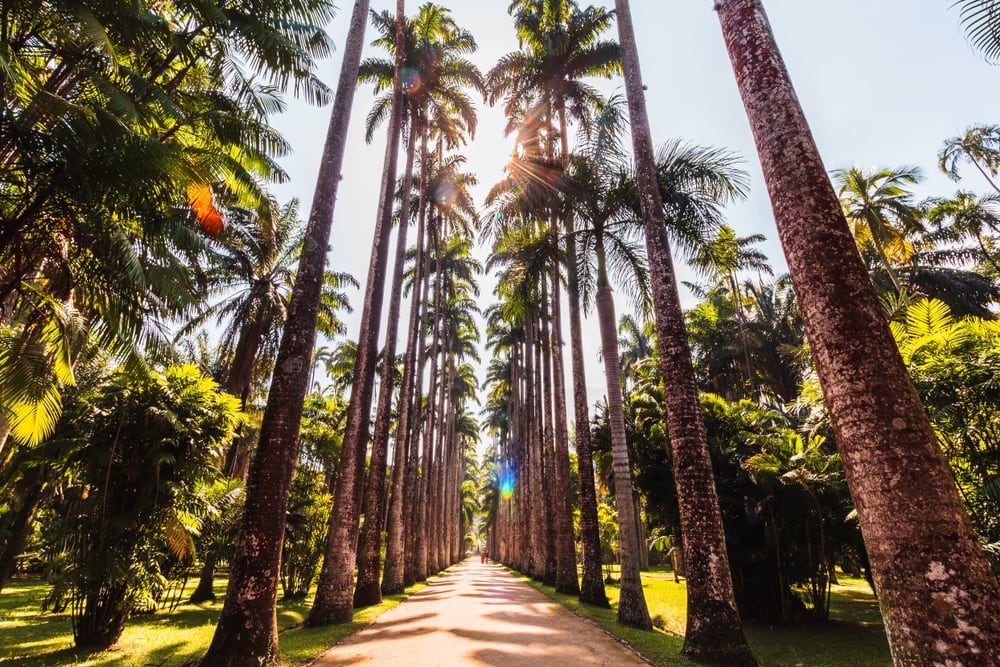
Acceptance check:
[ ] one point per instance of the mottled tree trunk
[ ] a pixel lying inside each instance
(369, 591)
(424, 507)
(566, 578)
(714, 632)
(631, 602)
(591, 580)
(940, 601)
(548, 458)
(334, 602)
(413, 498)
(247, 633)
(530, 506)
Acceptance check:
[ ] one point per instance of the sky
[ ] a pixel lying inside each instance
(882, 82)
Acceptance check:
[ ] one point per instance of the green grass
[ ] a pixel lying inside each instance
(30, 638)
(854, 637)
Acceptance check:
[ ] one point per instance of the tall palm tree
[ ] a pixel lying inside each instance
(334, 601)
(901, 484)
(979, 146)
(601, 190)
(879, 207)
(714, 631)
(966, 217)
(247, 630)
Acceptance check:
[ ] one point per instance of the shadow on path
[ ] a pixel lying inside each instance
(478, 614)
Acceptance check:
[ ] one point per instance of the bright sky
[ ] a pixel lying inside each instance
(883, 82)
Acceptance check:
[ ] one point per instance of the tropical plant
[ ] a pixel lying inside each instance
(147, 450)
(881, 211)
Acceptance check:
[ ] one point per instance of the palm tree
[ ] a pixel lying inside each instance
(979, 146)
(722, 258)
(334, 601)
(880, 209)
(967, 217)
(601, 190)
(251, 276)
(247, 630)
(979, 18)
(713, 630)
(900, 482)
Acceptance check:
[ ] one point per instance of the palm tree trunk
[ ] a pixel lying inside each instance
(444, 467)
(631, 603)
(204, 591)
(413, 500)
(940, 601)
(547, 458)
(334, 602)
(551, 508)
(714, 632)
(530, 439)
(368, 591)
(394, 580)
(566, 579)
(247, 633)
(887, 265)
(591, 579)
(423, 537)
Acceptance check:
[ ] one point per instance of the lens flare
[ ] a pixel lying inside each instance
(411, 80)
(507, 481)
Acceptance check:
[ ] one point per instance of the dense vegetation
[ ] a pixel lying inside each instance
(178, 400)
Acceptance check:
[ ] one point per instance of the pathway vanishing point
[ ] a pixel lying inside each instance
(478, 614)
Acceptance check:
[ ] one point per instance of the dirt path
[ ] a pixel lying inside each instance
(479, 615)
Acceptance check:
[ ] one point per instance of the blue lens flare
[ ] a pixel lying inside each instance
(508, 480)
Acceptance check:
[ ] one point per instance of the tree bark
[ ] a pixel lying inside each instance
(204, 591)
(247, 633)
(413, 499)
(368, 591)
(423, 539)
(591, 580)
(940, 601)
(714, 632)
(551, 508)
(394, 577)
(334, 602)
(566, 577)
(632, 608)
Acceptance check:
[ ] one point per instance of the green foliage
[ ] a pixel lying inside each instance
(126, 126)
(145, 452)
(309, 505)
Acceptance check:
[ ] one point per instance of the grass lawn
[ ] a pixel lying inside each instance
(29, 637)
(854, 637)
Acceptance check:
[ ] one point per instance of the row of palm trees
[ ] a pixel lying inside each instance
(870, 396)
(939, 601)
(429, 114)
